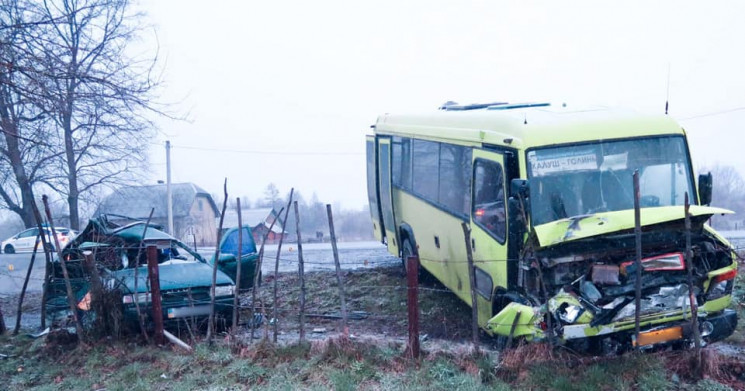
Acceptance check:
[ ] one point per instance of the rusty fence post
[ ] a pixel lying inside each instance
(472, 279)
(154, 276)
(638, 260)
(412, 305)
(301, 273)
(339, 281)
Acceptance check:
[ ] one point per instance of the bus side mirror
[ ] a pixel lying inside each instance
(705, 186)
(519, 188)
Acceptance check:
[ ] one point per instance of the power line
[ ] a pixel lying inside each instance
(257, 152)
(713, 114)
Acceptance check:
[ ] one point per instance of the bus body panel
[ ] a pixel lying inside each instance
(535, 279)
(372, 186)
(385, 190)
(488, 229)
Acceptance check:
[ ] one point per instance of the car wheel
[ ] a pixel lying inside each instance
(9, 249)
(407, 250)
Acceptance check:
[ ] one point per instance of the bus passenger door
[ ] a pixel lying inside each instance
(372, 187)
(488, 228)
(386, 194)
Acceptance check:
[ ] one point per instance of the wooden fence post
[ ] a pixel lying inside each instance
(691, 294)
(301, 273)
(276, 267)
(65, 274)
(154, 276)
(96, 291)
(257, 274)
(19, 312)
(339, 281)
(472, 279)
(211, 322)
(238, 265)
(3, 329)
(140, 317)
(47, 265)
(412, 305)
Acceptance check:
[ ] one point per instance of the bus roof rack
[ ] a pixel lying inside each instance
(516, 106)
(454, 106)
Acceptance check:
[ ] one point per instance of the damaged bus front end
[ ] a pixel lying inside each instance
(577, 277)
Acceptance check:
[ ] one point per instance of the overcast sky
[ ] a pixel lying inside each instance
(284, 91)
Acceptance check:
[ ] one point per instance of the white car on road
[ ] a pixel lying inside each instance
(25, 241)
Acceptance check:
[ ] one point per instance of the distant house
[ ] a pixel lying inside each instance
(259, 220)
(194, 210)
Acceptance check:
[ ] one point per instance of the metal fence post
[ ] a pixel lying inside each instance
(638, 260)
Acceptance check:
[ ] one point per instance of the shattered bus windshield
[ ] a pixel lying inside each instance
(584, 179)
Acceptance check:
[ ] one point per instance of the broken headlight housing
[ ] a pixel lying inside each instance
(224, 290)
(721, 285)
(568, 313)
(672, 261)
(143, 297)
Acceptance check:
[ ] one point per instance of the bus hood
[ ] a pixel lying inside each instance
(586, 226)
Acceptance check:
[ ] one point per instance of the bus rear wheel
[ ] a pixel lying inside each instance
(407, 250)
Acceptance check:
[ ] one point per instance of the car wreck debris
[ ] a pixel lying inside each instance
(184, 275)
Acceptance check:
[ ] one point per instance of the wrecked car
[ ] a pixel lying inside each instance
(119, 253)
(546, 195)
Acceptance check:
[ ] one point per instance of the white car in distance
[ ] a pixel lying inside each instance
(25, 240)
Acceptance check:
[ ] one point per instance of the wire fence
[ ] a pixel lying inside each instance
(373, 280)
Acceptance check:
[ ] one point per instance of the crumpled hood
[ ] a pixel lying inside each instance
(173, 276)
(585, 226)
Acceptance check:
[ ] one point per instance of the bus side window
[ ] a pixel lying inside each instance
(488, 197)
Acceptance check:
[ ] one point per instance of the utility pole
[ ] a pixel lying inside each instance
(169, 195)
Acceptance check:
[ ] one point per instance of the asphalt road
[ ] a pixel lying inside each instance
(316, 256)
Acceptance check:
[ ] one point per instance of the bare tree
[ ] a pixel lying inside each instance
(75, 108)
(25, 153)
(271, 196)
(98, 97)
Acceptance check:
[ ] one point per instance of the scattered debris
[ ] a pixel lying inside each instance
(176, 341)
(39, 334)
(355, 315)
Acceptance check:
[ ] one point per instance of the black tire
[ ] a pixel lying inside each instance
(9, 249)
(407, 250)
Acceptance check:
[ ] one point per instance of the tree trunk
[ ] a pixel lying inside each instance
(10, 130)
(72, 171)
